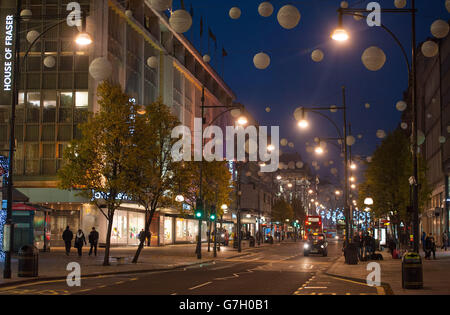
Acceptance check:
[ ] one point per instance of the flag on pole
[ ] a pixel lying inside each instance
(213, 37)
(224, 52)
(201, 26)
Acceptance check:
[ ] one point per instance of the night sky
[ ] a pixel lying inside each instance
(293, 79)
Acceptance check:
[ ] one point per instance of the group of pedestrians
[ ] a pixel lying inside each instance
(80, 241)
(429, 244)
(366, 245)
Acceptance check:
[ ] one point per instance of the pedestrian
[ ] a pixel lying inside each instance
(444, 240)
(424, 237)
(149, 238)
(67, 237)
(357, 244)
(141, 237)
(430, 247)
(80, 240)
(93, 240)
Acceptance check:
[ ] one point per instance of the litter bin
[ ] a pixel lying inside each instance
(351, 254)
(28, 261)
(252, 241)
(235, 242)
(412, 271)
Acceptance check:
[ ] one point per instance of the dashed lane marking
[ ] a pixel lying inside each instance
(201, 285)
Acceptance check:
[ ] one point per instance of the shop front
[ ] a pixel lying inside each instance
(179, 230)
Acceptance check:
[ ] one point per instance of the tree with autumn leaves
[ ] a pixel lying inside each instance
(125, 155)
(387, 179)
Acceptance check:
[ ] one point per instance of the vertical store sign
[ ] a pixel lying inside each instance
(7, 11)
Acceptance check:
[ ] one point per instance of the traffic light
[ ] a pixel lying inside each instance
(199, 209)
(212, 216)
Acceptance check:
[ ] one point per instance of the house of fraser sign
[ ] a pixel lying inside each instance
(8, 53)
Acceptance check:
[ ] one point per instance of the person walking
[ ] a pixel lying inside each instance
(356, 241)
(80, 241)
(93, 240)
(424, 237)
(67, 237)
(444, 240)
(430, 247)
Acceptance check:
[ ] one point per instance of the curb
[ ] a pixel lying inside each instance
(93, 275)
(385, 287)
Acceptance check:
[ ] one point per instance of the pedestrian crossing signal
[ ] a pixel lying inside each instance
(199, 209)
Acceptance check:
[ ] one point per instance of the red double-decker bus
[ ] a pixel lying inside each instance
(313, 224)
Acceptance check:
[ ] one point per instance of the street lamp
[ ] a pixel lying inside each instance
(81, 40)
(340, 35)
(412, 77)
(368, 201)
(319, 150)
(179, 198)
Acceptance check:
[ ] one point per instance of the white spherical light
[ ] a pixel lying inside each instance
(373, 58)
(430, 49)
(350, 140)
(401, 106)
(206, 58)
(404, 125)
(32, 35)
(129, 13)
(152, 62)
(367, 105)
(288, 16)
(440, 28)
(268, 109)
(317, 55)
(299, 164)
(400, 4)
(265, 9)
(447, 5)
(381, 134)
(26, 14)
(100, 69)
(49, 61)
(344, 4)
(180, 21)
(420, 137)
(333, 109)
(261, 61)
(284, 142)
(161, 5)
(360, 136)
(442, 139)
(235, 13)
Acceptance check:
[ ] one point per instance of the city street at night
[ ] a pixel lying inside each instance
(197, 150)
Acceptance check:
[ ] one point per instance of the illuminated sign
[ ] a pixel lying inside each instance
(8, 53)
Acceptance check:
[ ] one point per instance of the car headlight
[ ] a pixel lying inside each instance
(306, 246)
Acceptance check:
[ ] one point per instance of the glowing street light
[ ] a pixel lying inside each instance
(353, 166)
(270, 148)
(279, 177)
(368, 201)
(337, 192)
(303, 124)
(310, 191)
(340, 35)
(319, 150)
(179, 198)
(224, 207)
(83, 39)
(242, 121)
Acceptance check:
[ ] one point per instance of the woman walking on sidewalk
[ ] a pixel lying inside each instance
(444, 240)
(80, 240)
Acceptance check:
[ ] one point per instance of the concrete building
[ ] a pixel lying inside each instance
(53, 100)
(433, 87)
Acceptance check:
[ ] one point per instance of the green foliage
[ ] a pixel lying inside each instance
(217, 185)
(298, 209)
(387, 177)
(281, 211)
(100, 161)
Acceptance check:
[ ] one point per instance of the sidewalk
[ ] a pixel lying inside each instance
(52, 265)
(436, 273)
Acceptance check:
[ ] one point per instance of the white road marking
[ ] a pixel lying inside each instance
(201, 285)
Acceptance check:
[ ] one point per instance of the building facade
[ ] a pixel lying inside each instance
(433, 87)
(53, 102)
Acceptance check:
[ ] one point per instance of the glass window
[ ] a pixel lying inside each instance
(33, 106)
(48, 151)
(65, 132)
(48, 133)
(49, 100)
(32, 159)
(168, 237)
(32, 133)
(66, 99)
(81, 99)
(180, 230)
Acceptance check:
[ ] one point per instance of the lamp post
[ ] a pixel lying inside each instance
(82, 39)
(241, 121)
(304, 124)
(412, 76)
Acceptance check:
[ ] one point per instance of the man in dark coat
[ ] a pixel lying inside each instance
(67, 238)
(93, 240)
